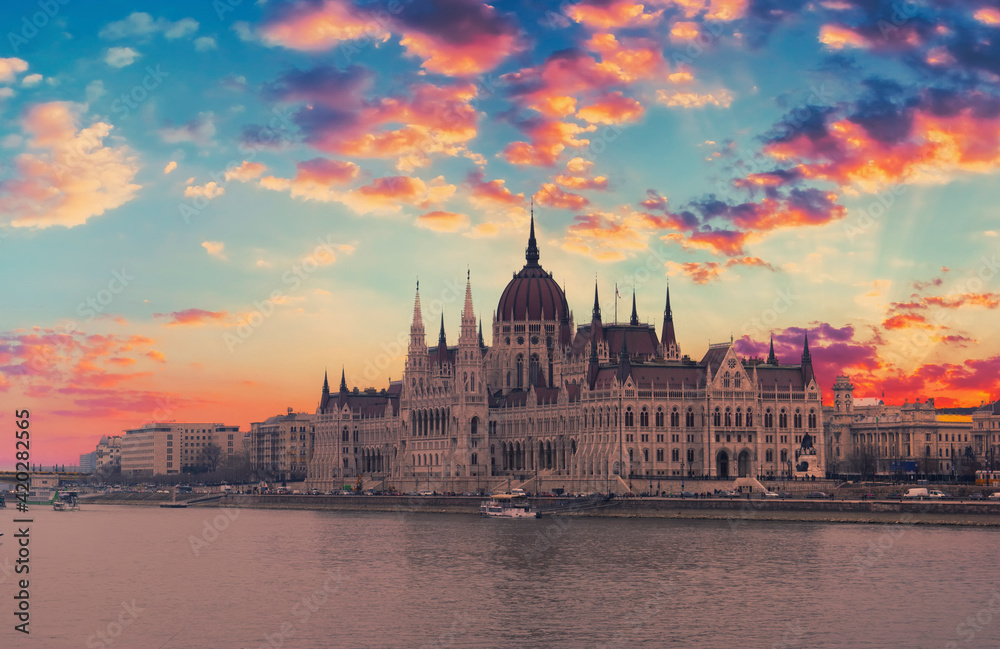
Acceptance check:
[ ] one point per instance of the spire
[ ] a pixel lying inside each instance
(441, 338)
(668, 338)
(531, 252)
(597, 304)
(807, 368)
(593, 365)
(806, 357)
(343, 381)
(417, 340)
(481, 343)
(771, 358)
(635, 316)
(326, 384)
(418, 318)
(467, 313)
(624, 364)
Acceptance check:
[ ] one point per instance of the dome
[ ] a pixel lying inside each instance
(532, 294)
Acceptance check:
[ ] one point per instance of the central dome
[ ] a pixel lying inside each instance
(532, 294)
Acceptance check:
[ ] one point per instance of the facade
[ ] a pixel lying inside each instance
(109, 454)
(88, 462)
(283, 445)
(869, 436)
(574, 405)
(985, 435)
(165, 448)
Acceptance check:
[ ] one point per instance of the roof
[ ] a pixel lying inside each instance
(641, 339)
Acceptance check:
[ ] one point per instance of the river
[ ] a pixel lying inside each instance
(121, 576)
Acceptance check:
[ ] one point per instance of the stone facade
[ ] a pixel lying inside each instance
(575, 405)
(282, 445)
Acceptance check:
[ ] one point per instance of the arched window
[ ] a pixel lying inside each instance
(797, 419)
(739, 417)
(784, 455)
(729, 418)
(659, 417)
(645, 455)
(689, 418)
(644, 418)
(520, 371)
(782, 419)
(717, 418)
(768, 419)
(675, 417)
(749, 417)
(508, 379)
(628, 418)
(737, 381)
(725, 380)
(812, 419)
(769, 455)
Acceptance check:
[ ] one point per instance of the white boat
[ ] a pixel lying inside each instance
(509, 506)
(67, 502)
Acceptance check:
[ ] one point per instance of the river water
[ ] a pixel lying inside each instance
(121, 576)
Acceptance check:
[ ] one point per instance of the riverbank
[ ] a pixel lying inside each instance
(965, 513)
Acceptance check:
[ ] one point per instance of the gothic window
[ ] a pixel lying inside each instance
(690, 456)
(749, 417)
(675, 455)
(782, 419)
(729, 418)
(737, 381)
(645, 455)
(769, 455)
(659, 418)
(725, 379)
(520, 371)
(812, 419)
(628, 418)
(768, 419)
(739, 417)
(689, 418)
(675, 417)
(644, 418)
(716, 418)
(784, 455)
(797, 419)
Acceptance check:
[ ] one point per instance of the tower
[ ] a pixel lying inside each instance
(668, 339)
(843, 395)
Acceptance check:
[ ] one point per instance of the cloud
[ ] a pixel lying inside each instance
(552, 196)
(10, 68)
(31, 80)
(319, 179)
(443, 221)
(207, 191)
(605, 15)
(388, 194)
(677, 99)
(246, 171)
(451, 37)
(215, 249)
(199, 130)
(193, 317)
(611, 108)
(988, 16)
(170, 167)
(704, 272)
(140, 24)
(205, 44)
(493, 193)
(119, 57)
(69, 175)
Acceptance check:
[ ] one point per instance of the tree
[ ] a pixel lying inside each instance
(210, 456)
(864, 461)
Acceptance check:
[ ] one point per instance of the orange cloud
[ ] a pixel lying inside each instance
(838, 37)
(907, 321)
(320, 26)
(611, 108)
(443, 221)
(208, 191)
(317, 180)
(687, 31)
(552, 196)
(988, 16)
(246, 171)
(608, 237)
(608, 15)
(580, 183)
(193, 317)
(387, 194)
(693, 99)
(704, 272)
(72, 176)
(492, 193)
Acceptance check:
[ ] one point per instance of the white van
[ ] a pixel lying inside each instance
(916, 492)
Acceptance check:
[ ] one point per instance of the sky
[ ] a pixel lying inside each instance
(205, 206)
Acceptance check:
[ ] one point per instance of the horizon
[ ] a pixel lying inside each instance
(203, 208)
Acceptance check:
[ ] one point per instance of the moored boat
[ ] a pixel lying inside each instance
(509, 506)
(67, 502)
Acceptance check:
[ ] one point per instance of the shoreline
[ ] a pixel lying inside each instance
(737, 511)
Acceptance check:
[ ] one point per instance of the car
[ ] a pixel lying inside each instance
(314, 492)
(730, 494)
(994, 496)
(687, 494)
(934, 494)
(975, 496)
(895, 495)
(517, 492)
(425, 492)
(817, 495)
(769, 494)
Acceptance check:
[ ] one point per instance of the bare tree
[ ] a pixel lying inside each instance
(210, 456)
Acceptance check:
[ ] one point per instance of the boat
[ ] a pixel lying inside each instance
(3, 502)
(42, 496)
(67, 502)
(509, 506)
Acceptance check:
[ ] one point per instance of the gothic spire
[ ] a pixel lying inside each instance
(806, 357)
(668, 338)
(343, 381)
(635, 316)
(441, 338)
(597, 304)
(531, 252)
(771, 358)
(326, 384)
(481, 343)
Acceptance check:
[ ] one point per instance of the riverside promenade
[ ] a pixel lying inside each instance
(913, 512)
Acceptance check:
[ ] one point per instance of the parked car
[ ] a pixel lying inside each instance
(426, 493)
(769, 494)
(994, 496)
(817, 495)
(975, 496)
(895, 495)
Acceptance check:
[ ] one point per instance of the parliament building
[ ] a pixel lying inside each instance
(552, 404)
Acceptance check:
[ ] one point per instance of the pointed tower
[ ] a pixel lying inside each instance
(807, 367)
(482, 344)
(596, 330)
(343, 381)
(325, 398)
(624, 362)
(668, 339)
(416, 354)
(469, 361)
(531, 252)
(634, 321)
(593, 365)
(771, 358)
(442, 347)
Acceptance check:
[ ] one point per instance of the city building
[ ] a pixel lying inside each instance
(871, 437)
(88, 462)
(986, 435)
(109, 454)
(282, 446)
(164, 448)
(597, 405)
